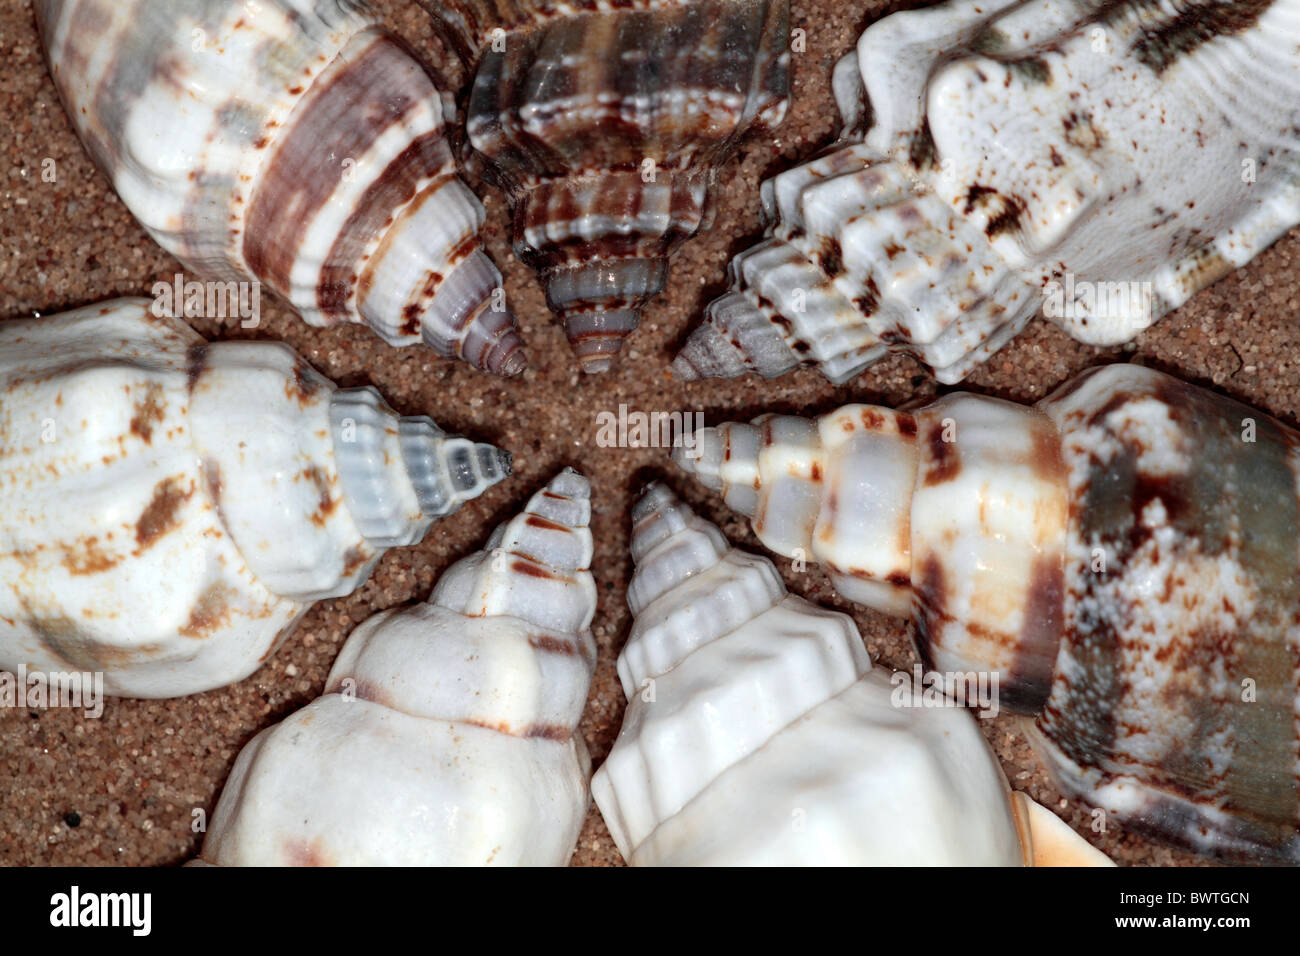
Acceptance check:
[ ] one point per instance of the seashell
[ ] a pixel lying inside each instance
(1105, 160)
(169, 509)
(292, 142)
(742, 695)
(1123, 555)
(447, 731)
(605, 124)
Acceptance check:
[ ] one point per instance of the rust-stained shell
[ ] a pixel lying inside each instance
(169, 509)
(290, 142)
(1123, 555)
(605, 124)
(1102, 160)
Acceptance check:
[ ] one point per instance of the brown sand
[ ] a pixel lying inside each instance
(124, 789)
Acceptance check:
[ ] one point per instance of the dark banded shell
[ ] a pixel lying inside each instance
(291, 142)
(1177, 683)
(1125, 556)
(605, 125)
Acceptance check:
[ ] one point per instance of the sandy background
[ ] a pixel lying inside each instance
(122, 789)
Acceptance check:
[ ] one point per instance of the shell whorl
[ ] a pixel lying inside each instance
(295, 144)
(447, 732)
(233, 471)
(741, 694)
(490, 647)
(536, 567)
(400, 473)
(1177, 704)
(1013, 160)
(954, 513)
(1122, 555)
(604, 124)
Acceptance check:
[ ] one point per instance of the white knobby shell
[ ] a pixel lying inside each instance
(293, 143)
(758, 733)
(447, 733)
(169, 508)
(1104, 161)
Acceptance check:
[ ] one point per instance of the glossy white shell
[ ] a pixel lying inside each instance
(1105, 161)
(169, 508)
(448, 731)
(757, 733)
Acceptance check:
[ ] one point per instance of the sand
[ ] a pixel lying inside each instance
(126, 788)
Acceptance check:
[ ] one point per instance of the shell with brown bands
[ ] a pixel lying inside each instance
(1124, 555)
(447, 733)
(605, 125)
(290, 142)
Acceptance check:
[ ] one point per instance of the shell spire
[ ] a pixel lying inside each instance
(536, 567)
(448, 730)
(740, 694)
(399, 474)
(605, 125)
(1002, 156)
(136, 453)
(293, 144)
(1122, 557)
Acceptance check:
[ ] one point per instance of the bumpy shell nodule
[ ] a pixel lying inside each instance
(1124, 555)
(169, 508)
(447, 734)
(605, 125)
(291, 142)
(1103, 159)
(757, 733)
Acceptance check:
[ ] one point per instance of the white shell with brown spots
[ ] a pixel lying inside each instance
(1104, 160)
(757, 733)
(1124, 556)
(447, 734)
(170, 508)
(294, 143)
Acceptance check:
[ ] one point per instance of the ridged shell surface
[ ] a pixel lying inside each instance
(170, 508)
(1102, 159)
(291, 142)
(605, 124)
(1124, 555)
(757, 733)
(447, 734)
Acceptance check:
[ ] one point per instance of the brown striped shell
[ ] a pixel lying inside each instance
(293, 143)
(605, 123)
(1125, 556)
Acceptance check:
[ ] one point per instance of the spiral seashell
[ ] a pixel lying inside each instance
(741, 695)
(605, 124)
(169, 509)
(293, 142)
(1123, 555)
(1104, 160)
(447, 733)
